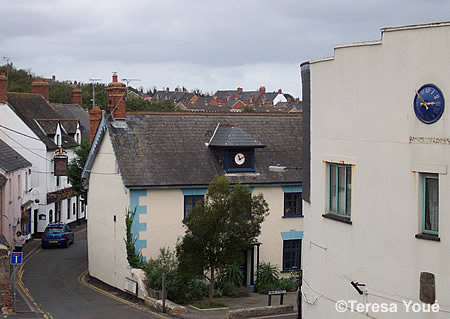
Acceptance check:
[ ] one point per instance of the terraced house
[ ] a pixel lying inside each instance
(33, 128)
(161, 164)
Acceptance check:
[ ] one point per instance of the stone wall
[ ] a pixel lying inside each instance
(5, 283)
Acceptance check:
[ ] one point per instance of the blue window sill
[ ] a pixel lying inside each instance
(292, 216)
(338, 218)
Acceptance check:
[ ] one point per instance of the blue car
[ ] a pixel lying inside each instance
(57, 235)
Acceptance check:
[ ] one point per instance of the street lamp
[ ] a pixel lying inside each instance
(93, 90)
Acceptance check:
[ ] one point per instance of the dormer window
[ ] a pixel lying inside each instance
(238, 147)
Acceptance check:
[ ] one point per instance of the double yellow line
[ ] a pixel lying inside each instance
(25, 290)
(83, 281)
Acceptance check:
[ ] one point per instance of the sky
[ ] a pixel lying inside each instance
(199, 44)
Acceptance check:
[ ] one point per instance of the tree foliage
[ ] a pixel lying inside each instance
(219, 228)
(134, 258)
(75, 167)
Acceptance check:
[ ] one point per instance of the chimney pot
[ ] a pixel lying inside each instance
(54, 77)
(262, 89)
(116, 99)
(280, 92)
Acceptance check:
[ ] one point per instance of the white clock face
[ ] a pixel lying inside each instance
(239, 159)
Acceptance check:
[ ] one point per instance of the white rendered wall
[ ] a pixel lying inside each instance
(362, 114)
(107, 198)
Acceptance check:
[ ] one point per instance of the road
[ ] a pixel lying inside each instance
(51, 276)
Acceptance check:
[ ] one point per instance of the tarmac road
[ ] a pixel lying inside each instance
(51, 276)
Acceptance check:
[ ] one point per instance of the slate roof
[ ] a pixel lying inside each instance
(75, 111)
(10, 160)
(270, 96)
(32, 107)
(229, 135)
(222, 95)
(169, 149)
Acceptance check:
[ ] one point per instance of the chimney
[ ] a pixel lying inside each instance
(117, 93)
(297, 100)
(167, 90)
(95, 115)
(184, 90)
(40, 87)
(280, 92)
(262, 90)
(3, 87)
(77, 96)
(239, 91)
(54, 77)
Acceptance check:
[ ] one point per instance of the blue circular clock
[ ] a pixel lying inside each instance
(429, 103)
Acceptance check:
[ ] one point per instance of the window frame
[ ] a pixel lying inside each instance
(195, 199)
(295, 214)
(336, 189)
(427, 176)
(291, 252)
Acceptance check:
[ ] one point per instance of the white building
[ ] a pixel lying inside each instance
(377, 205)
(161, 163)
(32, 127)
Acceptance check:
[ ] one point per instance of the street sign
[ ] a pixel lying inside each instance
(16, 258)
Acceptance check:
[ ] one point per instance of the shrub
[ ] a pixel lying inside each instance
(232, 274)
(289, 284)
(268, 277)
(179, 290)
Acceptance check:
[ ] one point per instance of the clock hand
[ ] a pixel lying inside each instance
(423, 101)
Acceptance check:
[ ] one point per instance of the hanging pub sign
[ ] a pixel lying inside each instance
(60, 162)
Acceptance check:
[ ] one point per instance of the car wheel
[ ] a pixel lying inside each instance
(66, 245)
(44, 246)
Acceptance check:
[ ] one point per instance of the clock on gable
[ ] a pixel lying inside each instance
(429, 103)
(236, 145)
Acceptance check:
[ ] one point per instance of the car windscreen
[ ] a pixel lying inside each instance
(54, 230)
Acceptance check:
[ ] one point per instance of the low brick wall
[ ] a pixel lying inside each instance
(6, 297)
(259, 311)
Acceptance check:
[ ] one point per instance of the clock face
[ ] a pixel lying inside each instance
(239, 159)
(429, 103)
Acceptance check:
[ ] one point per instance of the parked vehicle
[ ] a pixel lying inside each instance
(57, 235)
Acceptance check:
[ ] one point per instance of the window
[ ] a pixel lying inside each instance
(292, 251)
(292, 204)
(430, 224)
(189, 202)
(74, 208)
(340, 189)
(68, 208)
(50, 216)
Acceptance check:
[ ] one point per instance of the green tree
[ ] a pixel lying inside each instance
(76, 166)
(60, 92)
(219, 228)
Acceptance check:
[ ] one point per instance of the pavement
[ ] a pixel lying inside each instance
(26, 307)
(254, 300)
